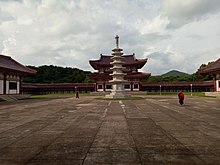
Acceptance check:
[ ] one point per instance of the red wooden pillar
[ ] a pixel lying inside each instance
(104, 87)
(131, 86)
(140, 86)
(96, 87)
(4, 84)
(20, 77)
(215, 86)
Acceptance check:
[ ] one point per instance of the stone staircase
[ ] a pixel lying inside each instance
(213, 94)
(13, 98)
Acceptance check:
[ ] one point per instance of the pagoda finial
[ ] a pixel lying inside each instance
(117, 41)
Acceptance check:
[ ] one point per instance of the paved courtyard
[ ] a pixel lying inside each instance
(86, 131)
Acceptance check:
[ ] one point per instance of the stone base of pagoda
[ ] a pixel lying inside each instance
(118, 95)
(118, 92)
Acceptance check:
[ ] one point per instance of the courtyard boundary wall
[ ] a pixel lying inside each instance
(62, 88)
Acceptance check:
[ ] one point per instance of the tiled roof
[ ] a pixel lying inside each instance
(213, 67)
(176, 84)
(57, 85)
(7, 63)
(105, 60)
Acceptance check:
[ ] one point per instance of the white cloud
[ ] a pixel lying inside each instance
(71, 32)
(155, 25)
(181, 12)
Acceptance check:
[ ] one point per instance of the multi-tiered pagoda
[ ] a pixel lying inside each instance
(130, 66)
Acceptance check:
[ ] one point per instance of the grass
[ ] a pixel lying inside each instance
(50, 96)
(201, 94)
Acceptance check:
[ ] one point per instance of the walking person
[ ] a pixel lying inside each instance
(181, 97)
(77, 94)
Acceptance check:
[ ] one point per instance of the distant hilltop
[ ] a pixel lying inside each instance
(175, 73)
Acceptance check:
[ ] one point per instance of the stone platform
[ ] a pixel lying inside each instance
(87, 131)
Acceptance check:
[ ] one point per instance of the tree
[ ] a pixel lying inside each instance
(56, 74)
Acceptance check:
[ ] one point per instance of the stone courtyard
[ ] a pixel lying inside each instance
(156, 130)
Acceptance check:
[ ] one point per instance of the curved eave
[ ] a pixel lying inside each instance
(209, 71)
(211, 68)
(9, 65)
(138, 63)
(138, 76)
(93, 63)
(19, 72)
(97, 64)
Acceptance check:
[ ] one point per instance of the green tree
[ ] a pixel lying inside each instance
(56, 74)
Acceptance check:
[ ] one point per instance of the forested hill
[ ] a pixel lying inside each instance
(175, 73)
(56, 74)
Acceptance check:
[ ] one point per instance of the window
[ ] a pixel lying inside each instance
(127, 86)
(108, 86)
(12, 85)
(99, 86)
(135, 86)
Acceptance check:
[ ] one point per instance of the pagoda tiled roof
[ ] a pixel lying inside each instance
(211, 68)
(105, 60)
(138, 75)
(9, 64)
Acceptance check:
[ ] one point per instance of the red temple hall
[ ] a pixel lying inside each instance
(130, 68)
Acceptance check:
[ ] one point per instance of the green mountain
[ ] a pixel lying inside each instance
(175, 73)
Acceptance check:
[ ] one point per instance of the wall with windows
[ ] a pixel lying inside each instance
(12, 84)
(108, 87)
(12, 87)
(99, 87)
(135, 87)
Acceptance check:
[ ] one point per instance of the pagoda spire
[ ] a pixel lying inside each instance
(117, 41)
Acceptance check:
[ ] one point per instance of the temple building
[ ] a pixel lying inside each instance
(130, 67)
(213, 69)
(11, 73)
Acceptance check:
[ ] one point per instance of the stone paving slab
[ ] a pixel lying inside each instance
(156, 130)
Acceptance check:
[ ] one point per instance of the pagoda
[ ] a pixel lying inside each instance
(118, 80)
(118, 67)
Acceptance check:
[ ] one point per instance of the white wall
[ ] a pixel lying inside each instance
(7, 87)
(217, 85)
(1, 86)
(18, 87)
(9, 78)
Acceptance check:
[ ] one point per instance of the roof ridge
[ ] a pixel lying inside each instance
(5, 56)
(209, 65)
(212, 63)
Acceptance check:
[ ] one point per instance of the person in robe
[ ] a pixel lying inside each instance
(77, 94)
(181, 98)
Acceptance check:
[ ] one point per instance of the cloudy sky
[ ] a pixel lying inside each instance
(172, 34)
